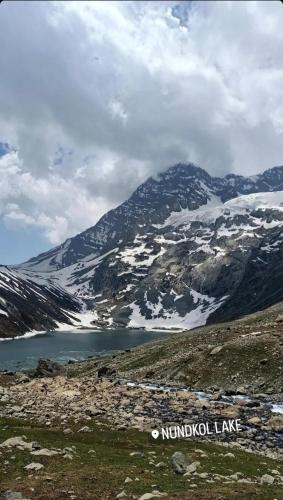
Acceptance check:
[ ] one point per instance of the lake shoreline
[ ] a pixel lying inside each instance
(65, 346)
(35, 333)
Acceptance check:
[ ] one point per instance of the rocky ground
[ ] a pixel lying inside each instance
(49, 401)
(85, 411)
(84, 431)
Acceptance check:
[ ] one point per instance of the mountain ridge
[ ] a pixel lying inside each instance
(235, 184)
(181, 251)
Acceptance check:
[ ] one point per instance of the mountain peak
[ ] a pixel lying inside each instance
(184, 249)
(182, 186)
(184, 169)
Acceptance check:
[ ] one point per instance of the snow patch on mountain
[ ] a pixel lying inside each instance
(165, 319)
(139, 255)
(85, 319)
(215, 208)
(256, 201)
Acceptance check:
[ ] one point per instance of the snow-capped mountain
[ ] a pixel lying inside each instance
(181, 186)
(186, 248)
(29, 302)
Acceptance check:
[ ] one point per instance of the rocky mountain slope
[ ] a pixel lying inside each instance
(186, 248)
(33, 304)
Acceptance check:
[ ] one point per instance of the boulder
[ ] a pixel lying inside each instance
(180, 462)
(17, 441)
(48, 368)
(275, 423)
(266, 478)
(254, 421)
(105, 371)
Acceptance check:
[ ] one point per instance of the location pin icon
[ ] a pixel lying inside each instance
(155, 434)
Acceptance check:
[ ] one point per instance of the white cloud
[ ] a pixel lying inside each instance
(119, 90)
(117, 111)
(57, 206)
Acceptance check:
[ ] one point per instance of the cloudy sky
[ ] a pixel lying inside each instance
(97, 96)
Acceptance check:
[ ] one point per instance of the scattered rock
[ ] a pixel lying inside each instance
(216, 350)
(235, 477)
(203, 475)
(85, 429)
(267, 478)
(22, 379)
(123, 494)
(44, 452)
(13, 495)
(154, 494)
(67, 431)
(192, 468)
(47, 478)
(241, 390)
(34, 466)
(93, 412)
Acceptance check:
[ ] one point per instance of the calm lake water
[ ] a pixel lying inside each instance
(62, 346)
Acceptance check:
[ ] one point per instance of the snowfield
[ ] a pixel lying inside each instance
(163, 319)
(167, 258)
(215, 209)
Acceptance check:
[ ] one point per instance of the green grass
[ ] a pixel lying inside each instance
(101, 475)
